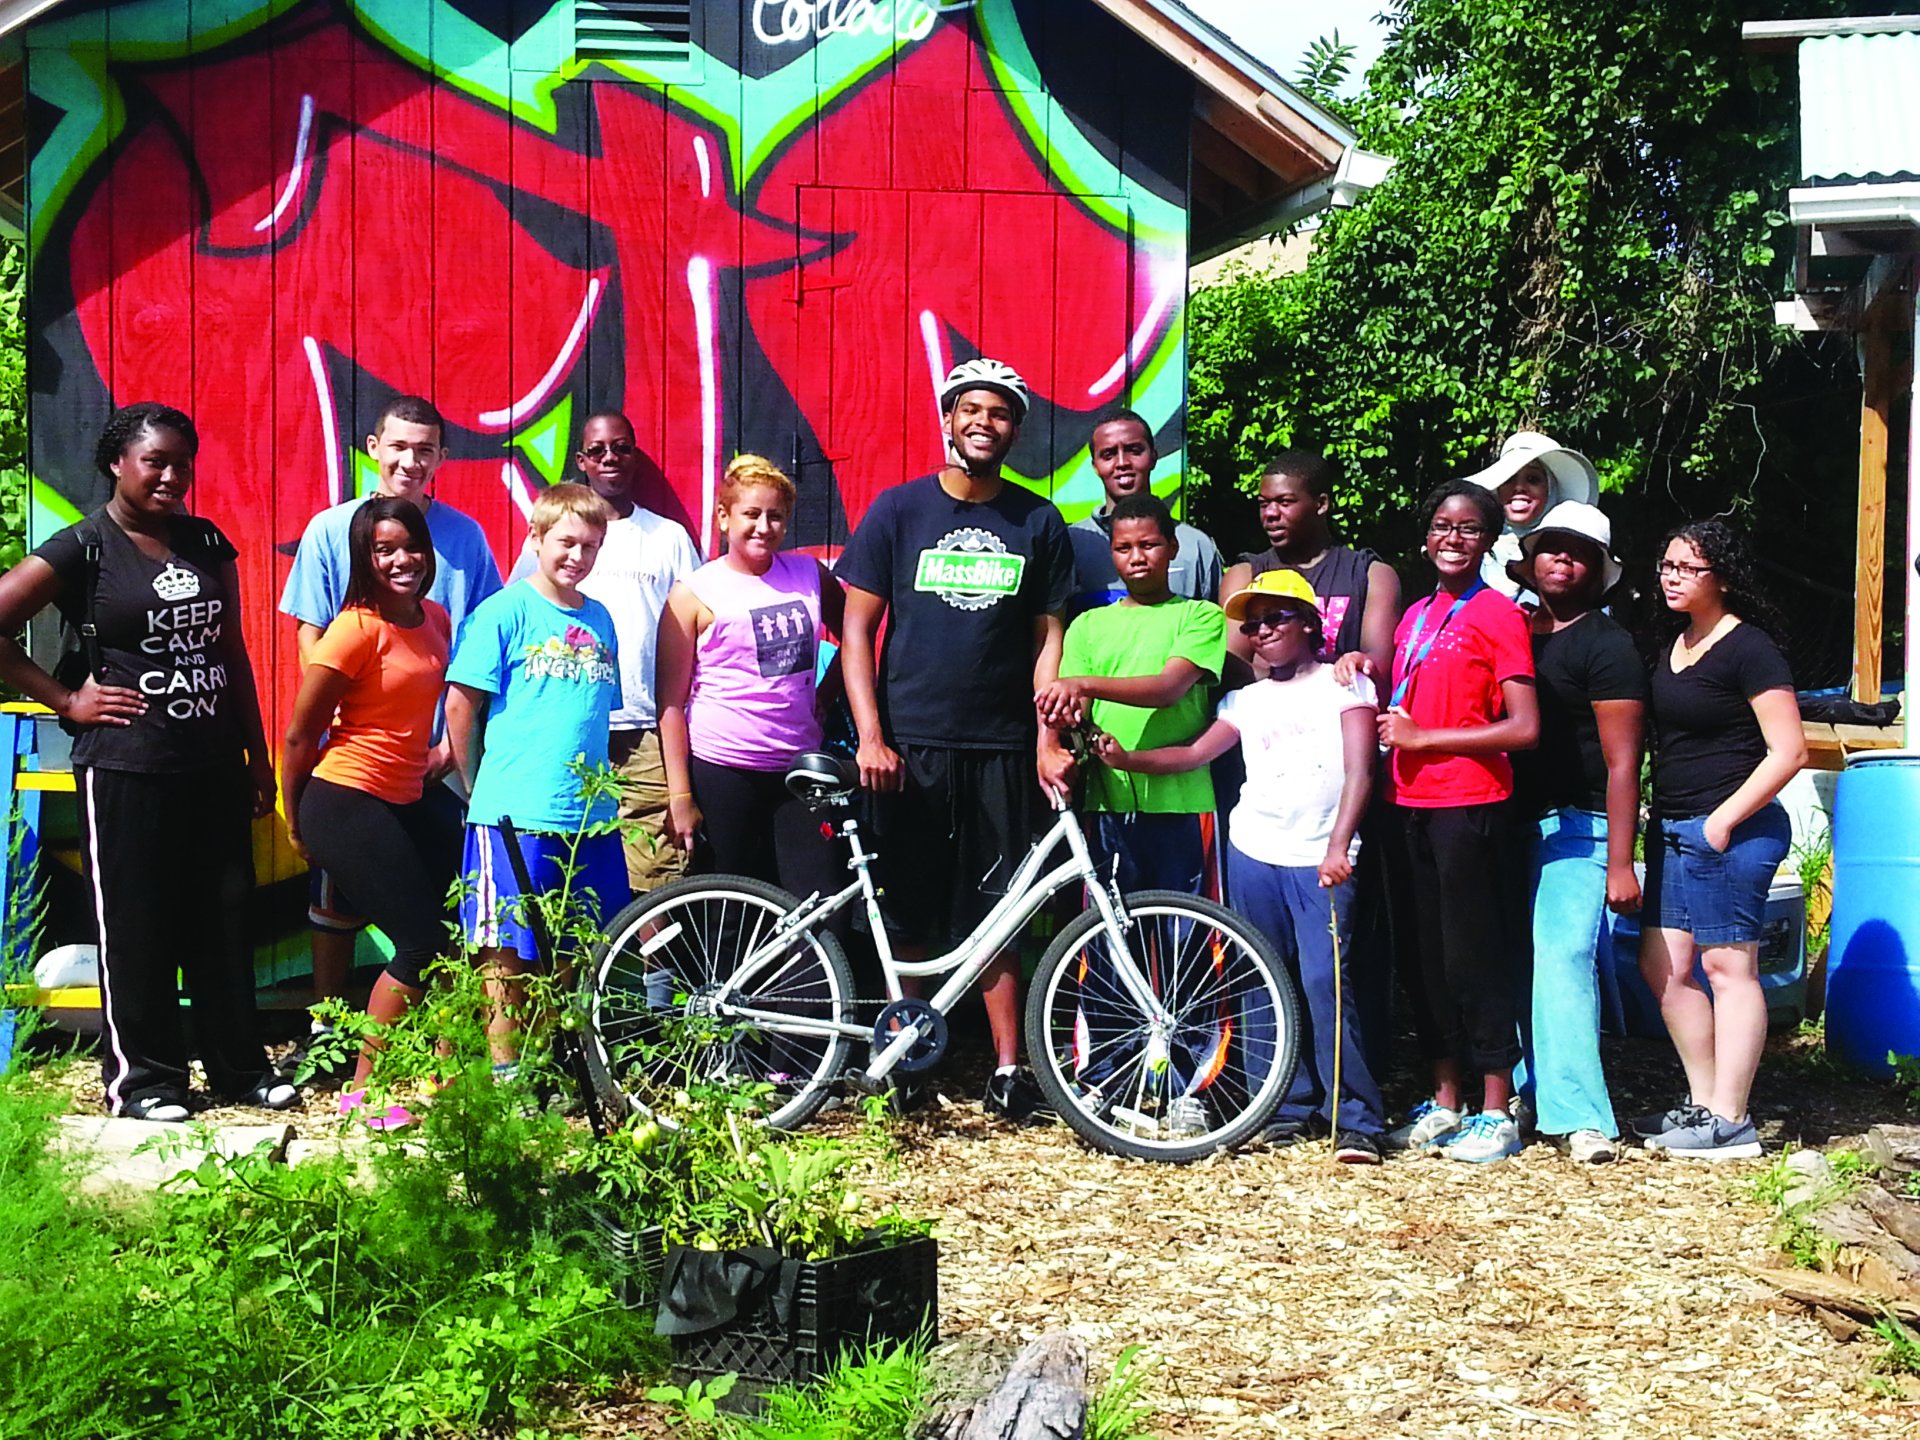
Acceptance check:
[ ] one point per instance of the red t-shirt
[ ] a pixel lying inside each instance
(1456, 686)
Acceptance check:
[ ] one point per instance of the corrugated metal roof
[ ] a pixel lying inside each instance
(1858, 113)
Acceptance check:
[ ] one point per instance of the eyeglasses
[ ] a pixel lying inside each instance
(1675, 567)
(1272, 620)
(599, 450)
(1468, 532)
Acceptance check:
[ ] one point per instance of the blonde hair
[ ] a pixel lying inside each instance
(557, 502)
(745, 470)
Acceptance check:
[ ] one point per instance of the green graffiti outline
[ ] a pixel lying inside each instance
(70, 70)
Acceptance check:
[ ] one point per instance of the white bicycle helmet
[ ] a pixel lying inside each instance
(985, 374)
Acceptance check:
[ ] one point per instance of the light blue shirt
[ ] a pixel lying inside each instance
(554, 675)
(464, 572)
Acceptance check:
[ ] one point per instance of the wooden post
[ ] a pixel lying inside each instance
(1869, 570)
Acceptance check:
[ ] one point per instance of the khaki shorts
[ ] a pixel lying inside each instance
(651, 859)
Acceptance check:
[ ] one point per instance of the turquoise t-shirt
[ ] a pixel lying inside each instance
(554, 675)
(1117, 641)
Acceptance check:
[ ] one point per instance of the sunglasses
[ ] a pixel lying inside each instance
(1272, 620)
(600, 449)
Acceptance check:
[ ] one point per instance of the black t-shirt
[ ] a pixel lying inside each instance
(1339, 579)
(1707, 741)
(164, 630)
(1592, 659)
(963, 584)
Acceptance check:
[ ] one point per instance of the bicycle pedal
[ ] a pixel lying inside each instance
(861, 1083)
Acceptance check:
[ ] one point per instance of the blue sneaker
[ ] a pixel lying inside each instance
(1484, 1138)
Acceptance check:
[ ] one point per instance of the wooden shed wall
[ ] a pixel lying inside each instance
(276, 215)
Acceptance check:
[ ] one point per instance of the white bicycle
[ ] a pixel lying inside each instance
(1160, 1025)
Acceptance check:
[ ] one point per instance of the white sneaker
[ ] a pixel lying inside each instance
(1187, 1117)
(1428, 1125)
(1590, 1147)
(1484, 1138)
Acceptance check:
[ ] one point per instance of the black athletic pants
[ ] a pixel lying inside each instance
(395, 861)
(169, 861)
(751, 824)
(1467, 906)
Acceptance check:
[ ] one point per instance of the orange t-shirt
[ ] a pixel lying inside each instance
(380, 737)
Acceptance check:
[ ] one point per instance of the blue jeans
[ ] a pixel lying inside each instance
(1560, 1031)
(1720, 899)
(1292, 910)
(1154, 852)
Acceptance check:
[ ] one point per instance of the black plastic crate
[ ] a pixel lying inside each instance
(883, 1292)
(635, 1258)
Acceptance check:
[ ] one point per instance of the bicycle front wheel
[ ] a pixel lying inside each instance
(1205, 1077)
(656, 1022)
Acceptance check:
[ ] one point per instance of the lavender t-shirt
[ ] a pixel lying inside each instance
(751, 705)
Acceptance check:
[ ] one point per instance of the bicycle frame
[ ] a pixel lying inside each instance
(1027, 891)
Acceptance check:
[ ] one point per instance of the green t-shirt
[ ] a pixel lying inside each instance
(1117, 641)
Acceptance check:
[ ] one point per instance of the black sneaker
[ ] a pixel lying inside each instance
(1016, 1096)
(908, 1093)
(273, 1093)
(1682, 1117)
(1353, 1148)
(1286, 1132)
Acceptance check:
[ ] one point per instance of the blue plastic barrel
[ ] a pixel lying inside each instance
(1873, 961)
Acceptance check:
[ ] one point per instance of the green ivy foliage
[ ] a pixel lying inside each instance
(13, 405)
(1580, 234)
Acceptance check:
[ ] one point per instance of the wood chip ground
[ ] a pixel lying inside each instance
(1290, 1296)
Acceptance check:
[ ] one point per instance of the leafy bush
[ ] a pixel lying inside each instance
(13, 405)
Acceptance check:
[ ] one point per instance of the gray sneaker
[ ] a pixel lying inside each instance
(1678, 1118)
(1428, 1127)
(1711, 1139)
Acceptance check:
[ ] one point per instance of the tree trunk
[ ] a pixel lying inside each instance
(1044, 1397)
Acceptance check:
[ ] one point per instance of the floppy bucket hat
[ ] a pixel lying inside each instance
(1569, 517)
(1573, 474)
(1272, 585)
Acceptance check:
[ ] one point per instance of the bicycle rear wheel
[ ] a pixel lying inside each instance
(1207, 1080)
(654, 1025)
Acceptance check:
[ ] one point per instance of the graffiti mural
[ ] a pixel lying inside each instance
(773, 236)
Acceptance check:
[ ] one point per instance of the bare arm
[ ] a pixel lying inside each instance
(1051, 760)
(467, 731)
(1377, 621)
(26, 590)
(1064, 701)
(1779, 716)
(246, 695)
(1206, 747)
(305, 637)
(1358, 750)
(321, 690)
(680, 626)
(1622, 728)
(1518, 730)
(1237, 578)
(859, 671)
(833, 602)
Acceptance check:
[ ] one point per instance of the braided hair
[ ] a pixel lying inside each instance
(130, 422)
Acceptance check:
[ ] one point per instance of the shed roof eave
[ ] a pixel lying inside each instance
(1869, 206)
(1359, 171)
(1774, 33)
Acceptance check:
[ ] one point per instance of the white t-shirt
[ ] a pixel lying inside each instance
(1296, 764)
(642, 557)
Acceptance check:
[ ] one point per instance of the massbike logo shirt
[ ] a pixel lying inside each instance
(970, 569)
(164, 630)
(963, 583)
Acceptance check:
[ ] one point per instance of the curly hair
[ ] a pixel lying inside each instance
(363, 586)
(1492, 517)
(1727, 551)
(130, 422)
(1311, 468)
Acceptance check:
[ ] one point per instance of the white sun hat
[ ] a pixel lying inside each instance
(1571, 517)
(1573, 474)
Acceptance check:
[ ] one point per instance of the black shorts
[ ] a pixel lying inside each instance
(949, 842)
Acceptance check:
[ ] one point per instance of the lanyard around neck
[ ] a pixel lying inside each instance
(1419, 657)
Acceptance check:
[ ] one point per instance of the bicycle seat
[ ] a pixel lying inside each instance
(821, 778)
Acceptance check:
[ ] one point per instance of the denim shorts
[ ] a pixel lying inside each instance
(1721, 899)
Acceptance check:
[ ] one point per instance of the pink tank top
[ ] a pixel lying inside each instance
(751, 705)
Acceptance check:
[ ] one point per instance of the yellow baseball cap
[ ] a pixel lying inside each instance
(1271, 585)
